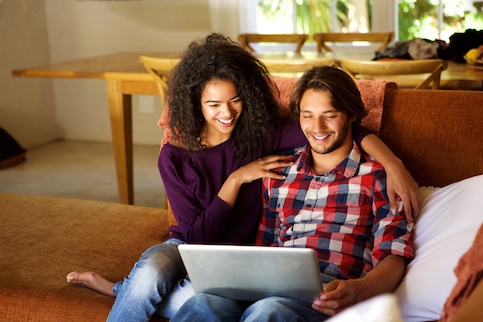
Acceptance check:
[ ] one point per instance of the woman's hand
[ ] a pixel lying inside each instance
(261, 168)
(401, 183)
(253, 171)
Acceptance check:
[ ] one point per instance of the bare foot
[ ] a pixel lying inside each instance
(91, 280)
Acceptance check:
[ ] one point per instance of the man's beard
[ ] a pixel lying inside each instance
(339, 141)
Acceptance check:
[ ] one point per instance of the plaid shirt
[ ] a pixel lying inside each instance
(344, 215)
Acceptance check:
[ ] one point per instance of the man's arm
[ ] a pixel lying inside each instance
(340, 294)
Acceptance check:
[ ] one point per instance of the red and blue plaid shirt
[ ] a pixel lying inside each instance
(344, 215)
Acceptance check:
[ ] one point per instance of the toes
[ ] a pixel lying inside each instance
(71, 277)
(75, 278)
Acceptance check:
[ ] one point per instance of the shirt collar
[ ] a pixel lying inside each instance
(349, 167)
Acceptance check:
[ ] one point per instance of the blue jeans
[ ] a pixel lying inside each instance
(211, 308)
(156, 284)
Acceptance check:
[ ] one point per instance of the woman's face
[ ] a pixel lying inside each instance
(221, 107)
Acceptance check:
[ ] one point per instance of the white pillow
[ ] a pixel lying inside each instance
(381, 308)
(444, 231)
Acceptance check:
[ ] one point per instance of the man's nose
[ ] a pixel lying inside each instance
(320, 124)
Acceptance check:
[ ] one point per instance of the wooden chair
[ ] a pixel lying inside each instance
(433, 67)
(160, 69)
(246, 39)
(374, 37)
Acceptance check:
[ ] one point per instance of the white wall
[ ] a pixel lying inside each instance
(38, 32)
(27, 109)
(80, 29)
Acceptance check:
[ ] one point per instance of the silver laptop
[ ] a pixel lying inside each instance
(250, 273)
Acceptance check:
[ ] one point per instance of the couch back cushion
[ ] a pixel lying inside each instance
(437, 134)
(373, 94)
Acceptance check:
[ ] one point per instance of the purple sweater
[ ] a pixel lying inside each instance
(192, 181)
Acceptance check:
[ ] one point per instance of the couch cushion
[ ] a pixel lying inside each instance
(44, 238)
(444, 231)
(436, 133)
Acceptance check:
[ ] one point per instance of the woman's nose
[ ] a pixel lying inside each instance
(226, 109)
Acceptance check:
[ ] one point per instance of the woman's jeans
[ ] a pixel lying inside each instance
(156, 284)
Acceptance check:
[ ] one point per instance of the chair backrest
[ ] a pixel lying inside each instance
(334, 37)
(297, 66)
(433, 67)
(297, 39)
(160, 69)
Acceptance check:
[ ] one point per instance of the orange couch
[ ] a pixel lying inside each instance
(43, 238)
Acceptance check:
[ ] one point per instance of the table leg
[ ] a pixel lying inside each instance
(120, 108)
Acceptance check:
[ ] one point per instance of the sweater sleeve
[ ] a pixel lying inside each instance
(288, 137)
(359, 134)
(198, 221)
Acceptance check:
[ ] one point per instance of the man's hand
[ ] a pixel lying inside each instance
(338, 295)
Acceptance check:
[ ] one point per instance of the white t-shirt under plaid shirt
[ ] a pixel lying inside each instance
(344, 215)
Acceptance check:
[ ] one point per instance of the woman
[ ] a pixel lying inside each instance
(227, 130)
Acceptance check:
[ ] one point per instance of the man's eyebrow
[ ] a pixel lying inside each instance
(312, 111)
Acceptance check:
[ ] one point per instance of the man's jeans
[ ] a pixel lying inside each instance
(212, 308)
(156, 284)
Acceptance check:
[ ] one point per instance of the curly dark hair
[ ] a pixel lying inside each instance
(218, 57)
(343, 91)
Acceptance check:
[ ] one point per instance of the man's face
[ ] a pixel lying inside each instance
(326, 128)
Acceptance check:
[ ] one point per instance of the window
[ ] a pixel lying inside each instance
(437, 19)
(309, 16)
(431, 19)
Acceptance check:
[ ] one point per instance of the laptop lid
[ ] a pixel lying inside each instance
(250, 273)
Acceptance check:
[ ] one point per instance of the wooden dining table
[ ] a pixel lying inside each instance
(125, 77)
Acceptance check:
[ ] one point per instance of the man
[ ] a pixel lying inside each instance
(333, 199)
